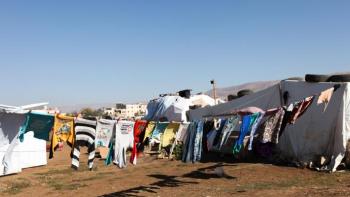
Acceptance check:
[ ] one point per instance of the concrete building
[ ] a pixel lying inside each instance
(127, 110)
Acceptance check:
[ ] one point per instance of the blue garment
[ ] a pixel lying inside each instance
(110, 155)
(246, 126)
(188, 146)
(197, 149)
(192, 148)
(254, 128)
(40, 124)
(158, 130)
(219, 133)
(227, 130)
(243, 132)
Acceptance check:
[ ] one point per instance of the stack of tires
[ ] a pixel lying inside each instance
(315, 78)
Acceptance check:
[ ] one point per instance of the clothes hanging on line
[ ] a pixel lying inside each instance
(85, 133)
(124, 139)
(229, 126)
(63, 131)
(157, 131)
(271, 128)
(169, 133)
(149, 129)
(325, 97)
(139, 131)
(247, 122)
(104, 131)
(254, 128)
(300, 108)
(192, 146)
(40, 124)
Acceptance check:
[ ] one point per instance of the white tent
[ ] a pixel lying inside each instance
(316, 133)
(16, 155)
(173, 108)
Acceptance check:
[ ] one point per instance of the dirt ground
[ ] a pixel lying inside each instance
(162, 177)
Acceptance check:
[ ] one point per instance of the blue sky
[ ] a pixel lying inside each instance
(77, 52)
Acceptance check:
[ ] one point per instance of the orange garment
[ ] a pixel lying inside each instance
(325, 97)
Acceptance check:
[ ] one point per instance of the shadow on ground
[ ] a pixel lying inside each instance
(172, 181)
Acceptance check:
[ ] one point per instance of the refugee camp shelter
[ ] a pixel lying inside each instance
(322, 131)
(16, 155)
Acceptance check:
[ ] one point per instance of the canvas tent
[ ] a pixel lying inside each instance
(16, 155)
(316, 133)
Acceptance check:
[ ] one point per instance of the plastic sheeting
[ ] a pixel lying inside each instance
(173, 108)
(316, 133)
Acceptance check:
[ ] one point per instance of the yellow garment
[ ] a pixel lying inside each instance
(63, 131)
(169, 134)
(149, 129)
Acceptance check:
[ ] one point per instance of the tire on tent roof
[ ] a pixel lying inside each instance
(316, 78)
(244, 92)
(295, 79)
(339, 78)
(231, 97)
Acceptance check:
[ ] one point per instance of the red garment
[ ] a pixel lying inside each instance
(300, 108)
(139, 130)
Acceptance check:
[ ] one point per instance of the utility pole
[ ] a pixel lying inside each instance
(214, 90)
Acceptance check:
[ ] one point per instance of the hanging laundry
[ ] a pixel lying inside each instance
(300, 108)
(247, 122)
(219, 131)
(139, 131)
(168, 136)
(197, 149)
(229, 126)
(149, 129)
(40, 124)
(180, 137)
(104, 131)
(182, 132)
(254, 128)
(270, 129)
(325, 97)
(210, 139)
(188, 146)
(63, 131)
(85, 133)
(158, 130)
(207, 127)
(124, 139)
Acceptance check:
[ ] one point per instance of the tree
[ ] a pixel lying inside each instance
(91, 112)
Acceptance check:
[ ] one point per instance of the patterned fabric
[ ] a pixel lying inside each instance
(85, 132)
(300, 108)
(254, 128)
(272, 126)
(149, 129)
(197, 150)
(63, 131)
(158, 131)
(229, 126)
(104, 131)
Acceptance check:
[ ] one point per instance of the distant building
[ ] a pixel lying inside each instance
(126, 110)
